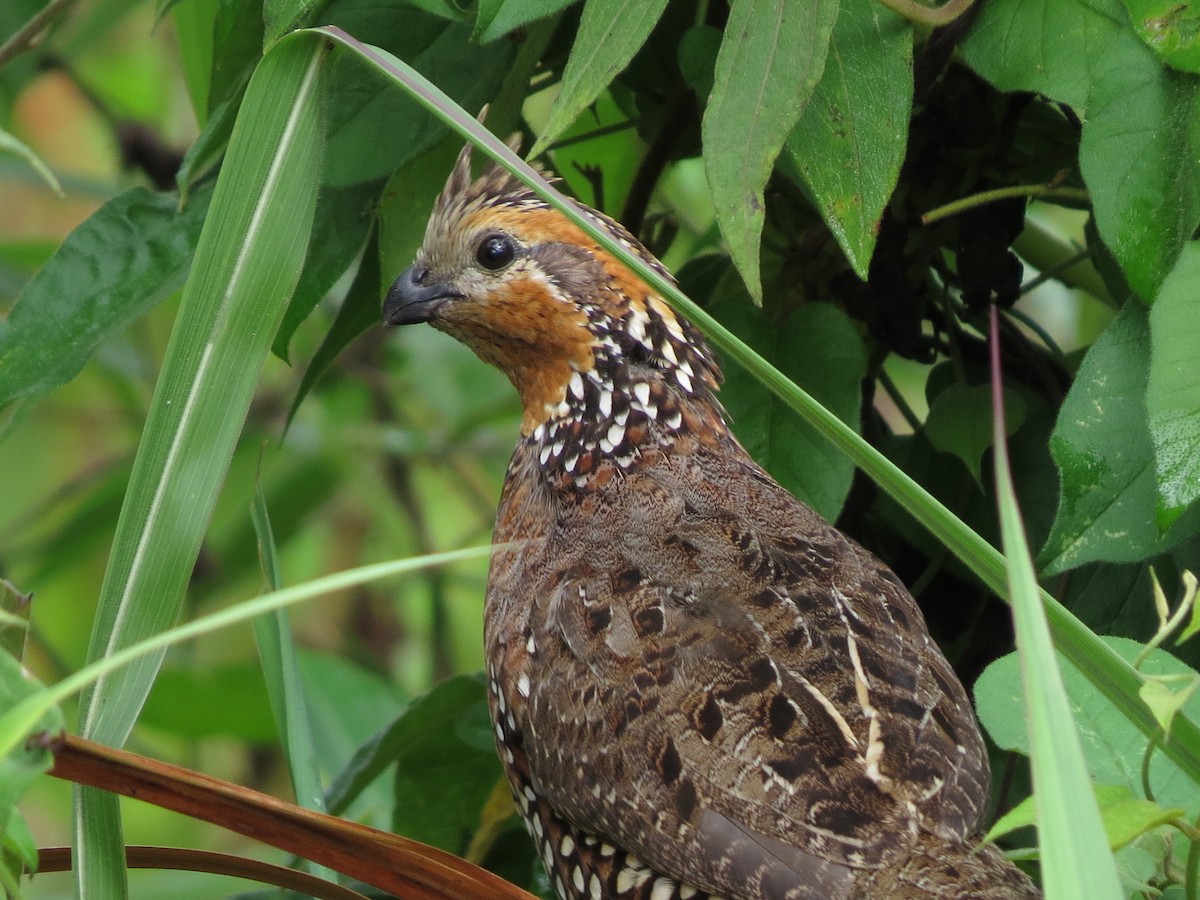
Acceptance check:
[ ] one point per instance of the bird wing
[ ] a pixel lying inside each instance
(762, 690)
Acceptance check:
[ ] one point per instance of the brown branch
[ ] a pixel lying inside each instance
(392, 863)
(58, 859)
(29, 33)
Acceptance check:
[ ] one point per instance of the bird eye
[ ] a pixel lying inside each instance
(495, 252)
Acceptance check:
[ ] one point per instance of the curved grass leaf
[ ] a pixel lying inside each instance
(93, 287)
(1111, 675)
(850, 139)
(610, 33)
(247, 262)
(9, 143)
(25, 716)
(771, 58)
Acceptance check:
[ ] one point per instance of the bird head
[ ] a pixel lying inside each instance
(531, 293)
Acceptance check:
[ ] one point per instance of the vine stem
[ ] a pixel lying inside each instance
(1004, 193)
(933, 16)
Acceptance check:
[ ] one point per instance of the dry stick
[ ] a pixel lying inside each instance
(392, 863)
(58, 859)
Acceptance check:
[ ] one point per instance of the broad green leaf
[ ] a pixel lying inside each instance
(698, 49)
(818, 348)
(373, 131)
(1135, 150)
(359, 311)
(1173, 391)
(960, 421)
(1169, 28)
(496, 18)
(193, 702)
(282, 16)
(1139, 163)
(237, 49)
(610, 33)
(1112, 746)
(1105, 457)
(1125, 817)
(194, 22)
(850, 139)
(347, 726)
(1074, 854)
(208, 148)
(446, 763)
(771, 58)
(21, 765)
(247, 263)
(343, 222)
(10, 144)
(130, 254)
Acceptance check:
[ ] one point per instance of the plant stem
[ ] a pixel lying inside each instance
(1004, 193)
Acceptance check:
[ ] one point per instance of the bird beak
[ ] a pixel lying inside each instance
(410, 300)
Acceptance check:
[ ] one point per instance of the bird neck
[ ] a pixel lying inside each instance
(650, 379)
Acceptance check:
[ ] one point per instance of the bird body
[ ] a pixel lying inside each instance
(699, 687)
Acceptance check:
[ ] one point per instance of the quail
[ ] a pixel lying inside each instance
(699, 688)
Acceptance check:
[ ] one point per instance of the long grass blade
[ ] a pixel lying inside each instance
(285, 687)
(247, 262)
(1113, 676)
(1076, 860)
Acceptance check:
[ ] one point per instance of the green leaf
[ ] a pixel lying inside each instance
(1173, 391)
(1169, 28)
(359, 311)
(1138, 161)
(1112, 746)
(960, 421)
(1124, 816)
(372, 131)
(1074, 857)
(1164, 702)
(1135, 151)
(698, 49)
(247, 262)
(343, 222)
(1105, 457)
(282, 16)
(851, 138)
(496, 18)
(126, 257)
(446, 763)
(819, 349)
(771, 58)
(193, 702)
(10, 144)
(610, 33)
(22, 764)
